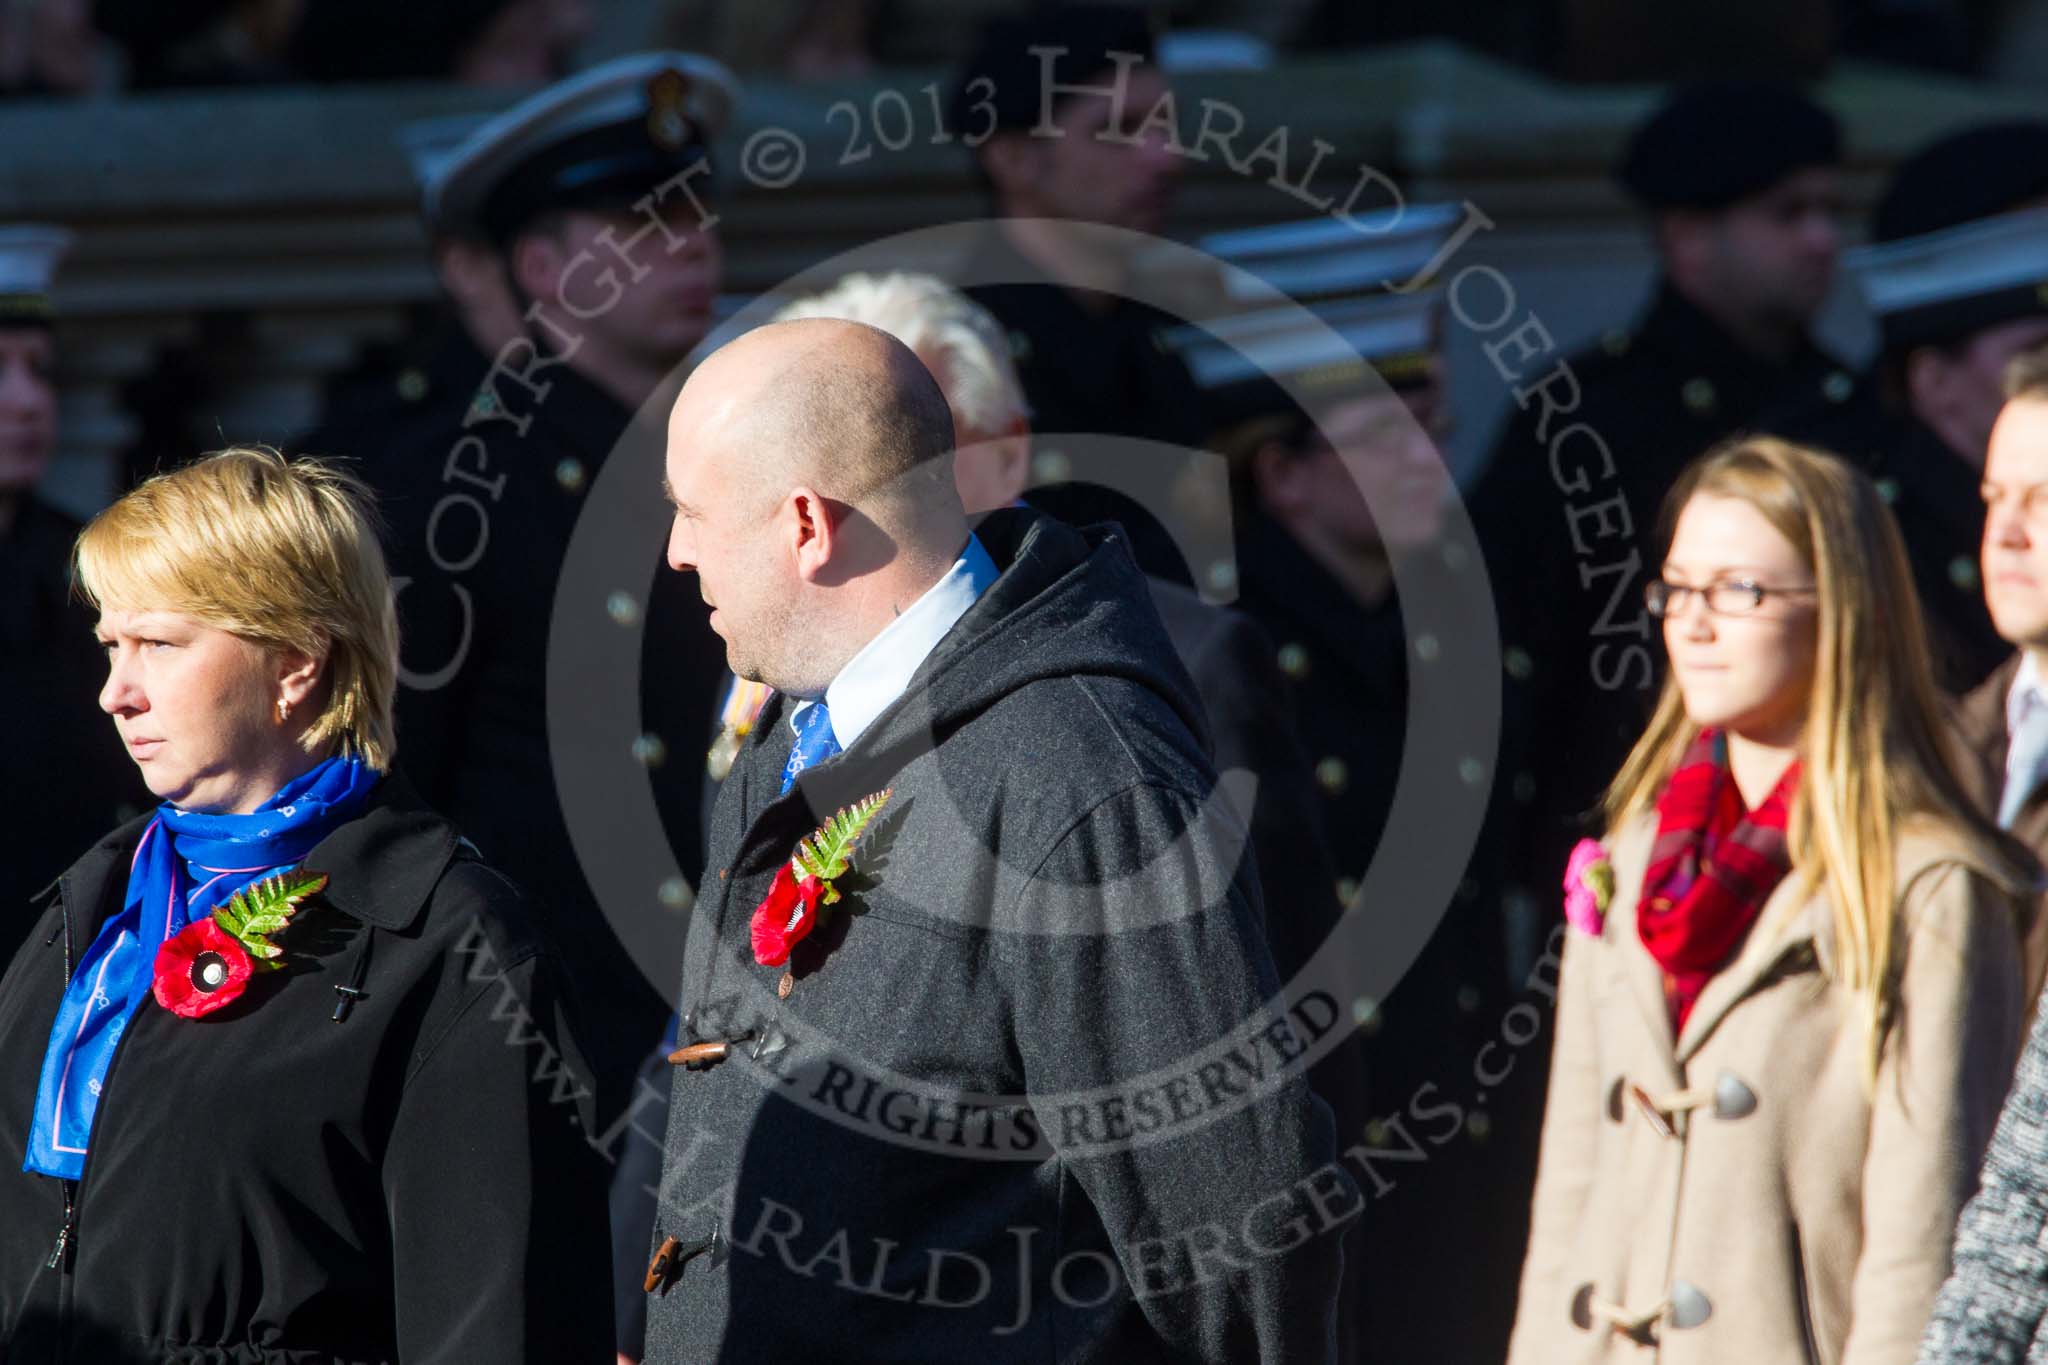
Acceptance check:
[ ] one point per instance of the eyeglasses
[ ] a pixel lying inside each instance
(1724, 596)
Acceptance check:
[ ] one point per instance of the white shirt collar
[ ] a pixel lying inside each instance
(881, 671)
(2025, 684)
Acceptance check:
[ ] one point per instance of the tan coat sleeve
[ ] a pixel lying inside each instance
(1565, 1164)
(1939, 1089)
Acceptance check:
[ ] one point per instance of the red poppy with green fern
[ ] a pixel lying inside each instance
(803, 886)
(208, 964)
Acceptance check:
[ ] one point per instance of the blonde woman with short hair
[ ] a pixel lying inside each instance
(281, 1068)
(1792, 989)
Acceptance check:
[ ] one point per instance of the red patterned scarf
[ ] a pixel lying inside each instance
(1711, 869)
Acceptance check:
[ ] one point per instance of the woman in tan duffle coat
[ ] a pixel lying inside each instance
(1792, 990)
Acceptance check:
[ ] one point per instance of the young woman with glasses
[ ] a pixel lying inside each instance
(1792, 989)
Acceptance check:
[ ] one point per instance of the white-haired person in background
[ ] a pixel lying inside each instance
(968, 352)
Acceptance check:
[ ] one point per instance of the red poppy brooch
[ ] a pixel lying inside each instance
(805, 883)
(208, 963)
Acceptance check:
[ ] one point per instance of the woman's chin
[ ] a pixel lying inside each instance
(1763, 725)
(175, 789)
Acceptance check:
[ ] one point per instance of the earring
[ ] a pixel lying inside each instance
(284, 710)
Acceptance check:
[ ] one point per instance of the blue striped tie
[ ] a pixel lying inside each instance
(815, 742)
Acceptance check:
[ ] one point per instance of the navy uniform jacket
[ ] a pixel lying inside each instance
(475, 614)
(1427, 1295)
(63, 761)
(389, 407)
(1935, 495)
(1102, 373)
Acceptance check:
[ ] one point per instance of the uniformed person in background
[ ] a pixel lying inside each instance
(1957, 277)
(1741, 184)
(401, 400)
(1092, 361)
(63, 766)
(586, 206)
(1331, 498)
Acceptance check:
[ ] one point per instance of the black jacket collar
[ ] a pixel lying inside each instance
(381, 866)
(1745, 380)
(579, 416)
(1284, 586)
(1940, 483)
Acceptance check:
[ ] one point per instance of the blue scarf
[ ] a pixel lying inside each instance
(187, 863)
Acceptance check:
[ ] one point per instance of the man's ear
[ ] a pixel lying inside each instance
(537, 264)
(813, 531)
(1276, 474)
(1684, 239)
(1010, 161)
(1930, 380)
(1014, 459)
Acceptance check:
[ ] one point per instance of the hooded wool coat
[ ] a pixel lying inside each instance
(1022, 1101)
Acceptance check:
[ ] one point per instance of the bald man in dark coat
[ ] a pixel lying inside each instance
(1029, 1090)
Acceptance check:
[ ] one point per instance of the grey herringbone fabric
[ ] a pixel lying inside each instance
(1992, 1307)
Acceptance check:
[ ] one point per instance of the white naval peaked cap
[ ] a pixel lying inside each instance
(1357, 307)
(1324, 346)
(1942, 286)
(29, 254)
(430, 144)
(608, 135)
(1326, 257)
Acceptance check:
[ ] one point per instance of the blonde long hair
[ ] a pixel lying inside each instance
(1875, 752)
(283, 553)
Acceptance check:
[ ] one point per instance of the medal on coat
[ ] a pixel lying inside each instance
(744, 701)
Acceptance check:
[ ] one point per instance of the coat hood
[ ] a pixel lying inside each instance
(1068, 602)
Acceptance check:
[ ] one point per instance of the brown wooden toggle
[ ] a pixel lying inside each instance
(698, 1056)
(674, 1254)
(658, 1268)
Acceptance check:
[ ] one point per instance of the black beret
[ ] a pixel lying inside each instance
(1715, 143)
(1963, 177)
(1006, 76)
